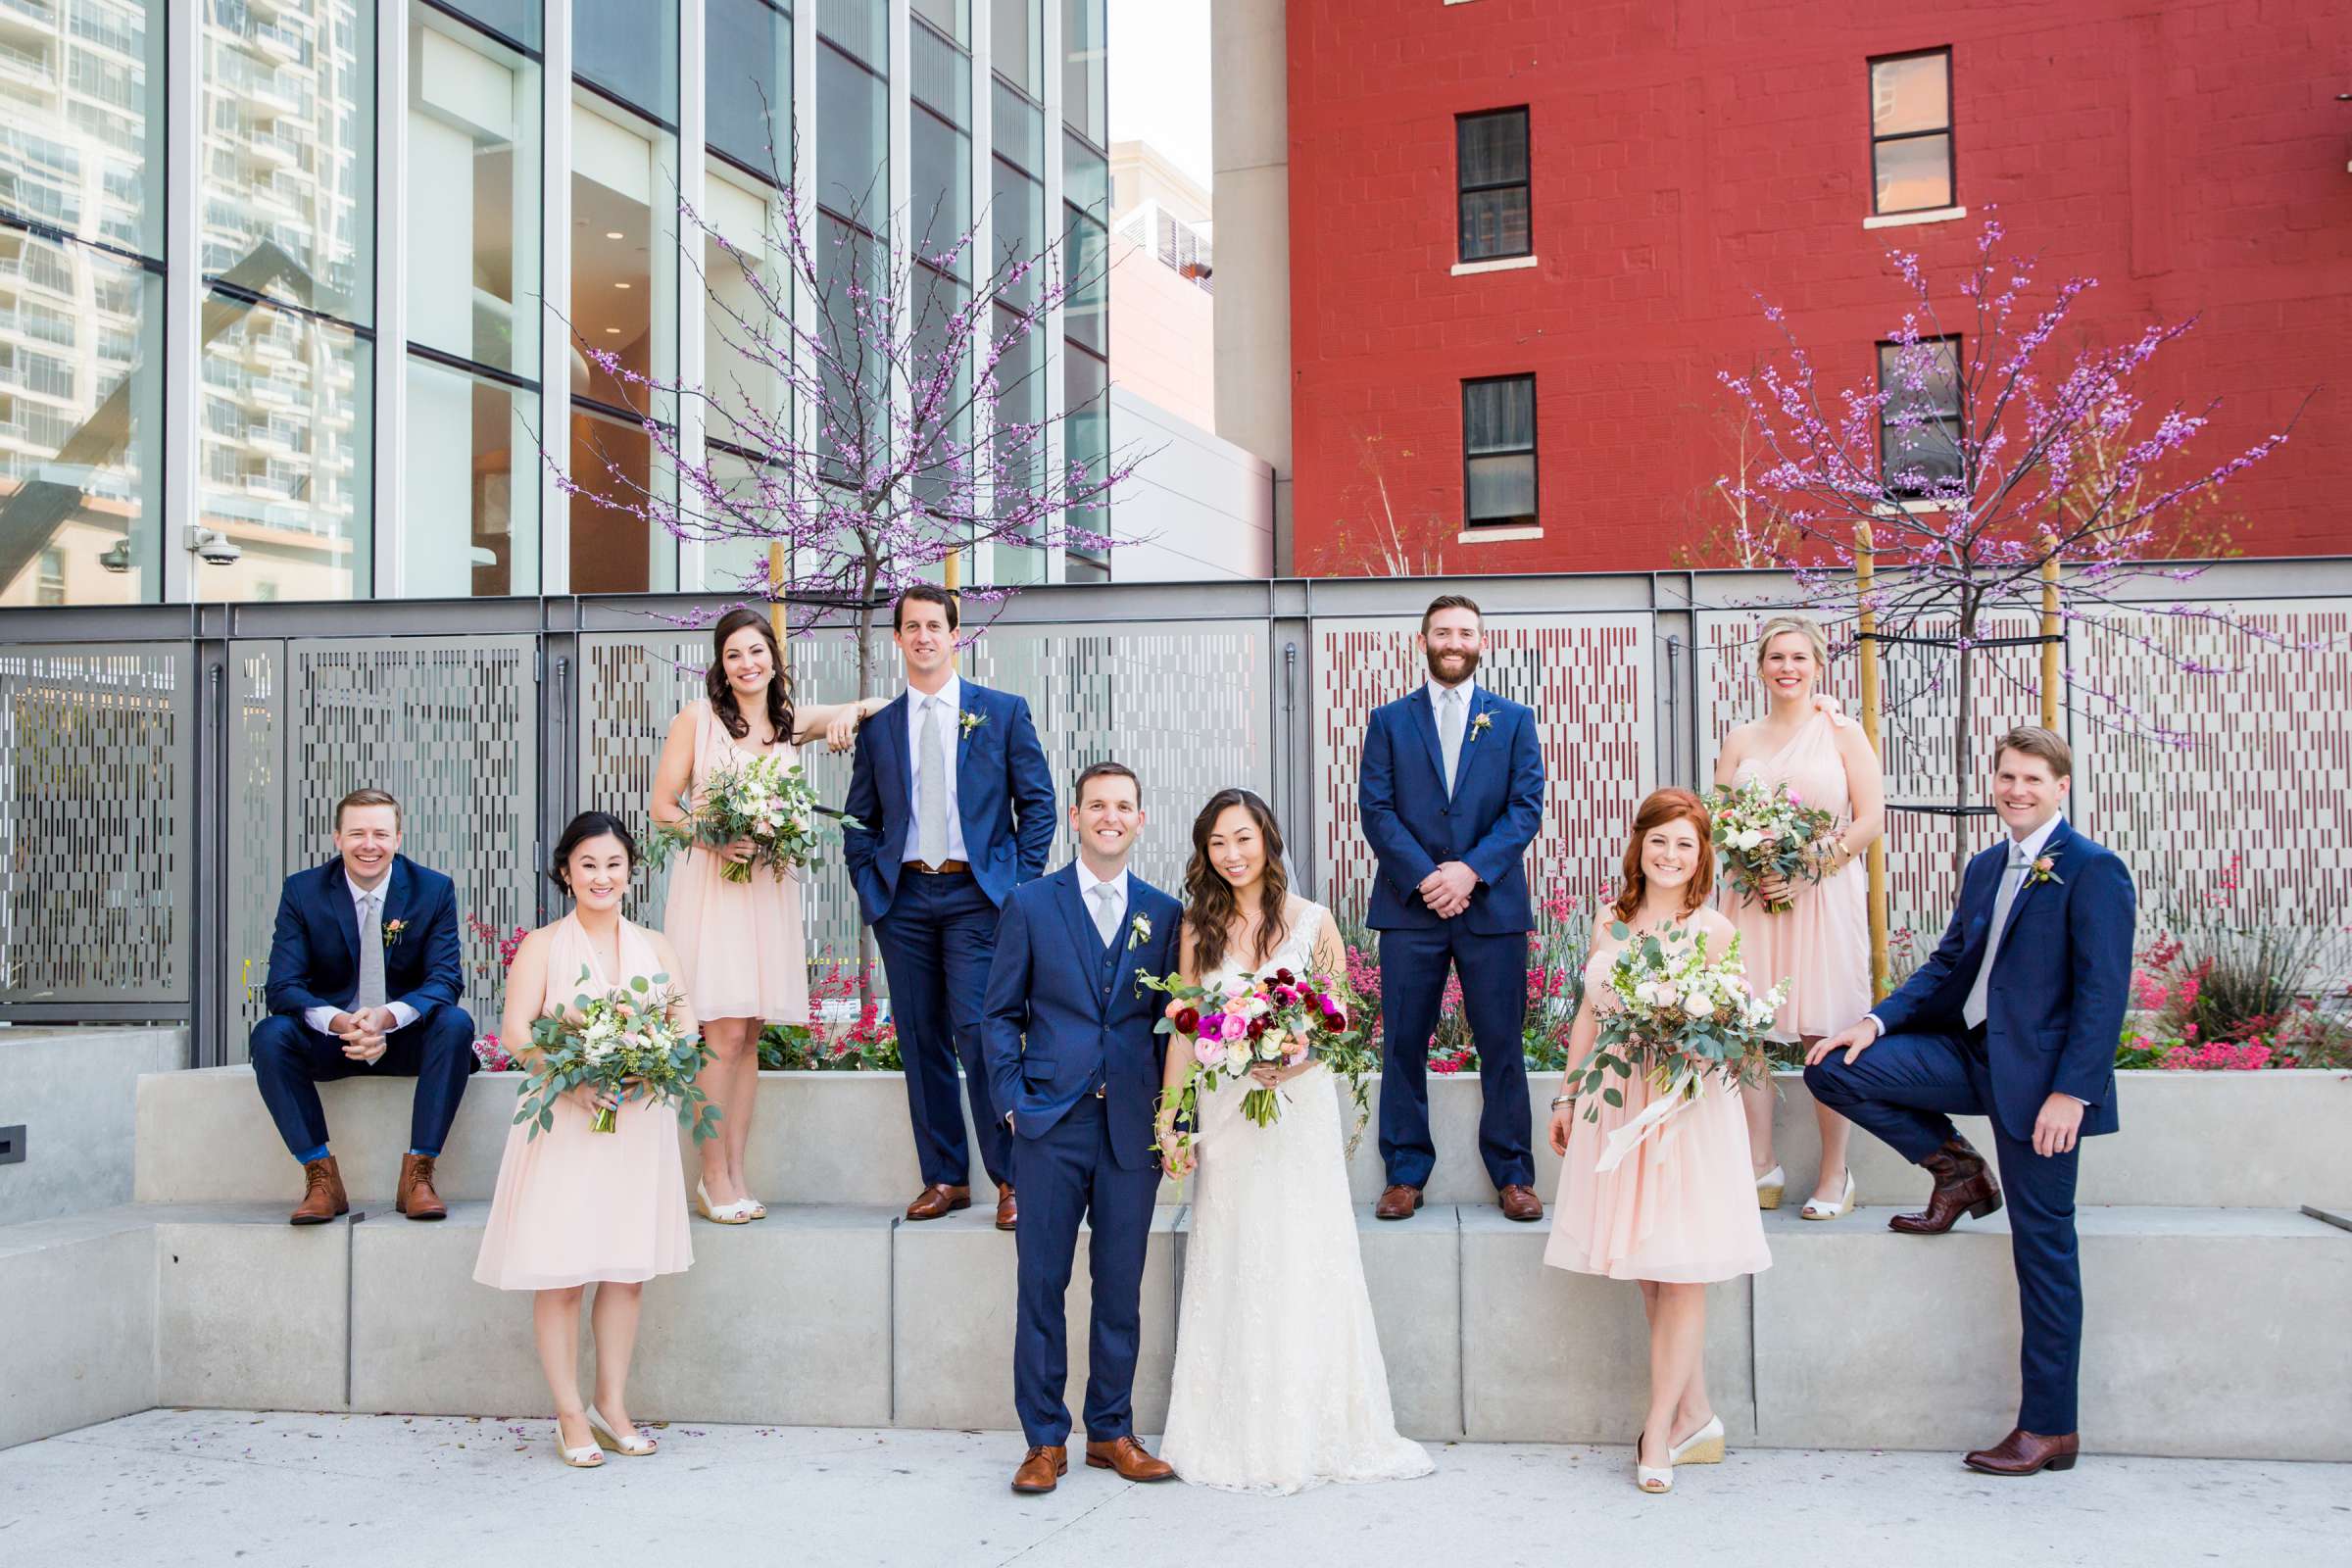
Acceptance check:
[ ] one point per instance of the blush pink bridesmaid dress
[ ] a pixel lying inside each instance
(739, 944)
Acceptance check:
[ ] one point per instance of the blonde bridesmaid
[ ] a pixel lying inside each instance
(1822, 945)
(742, 955)
(1677, 1216)
(577, 1207)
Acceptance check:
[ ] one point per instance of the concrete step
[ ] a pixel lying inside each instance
(2207, 1327)
(2251, 1140)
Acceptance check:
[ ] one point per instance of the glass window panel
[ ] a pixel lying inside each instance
(630, 49)
(942, 75)
(623, 259)
(1017, 43)
(859, 26)
(941, 173)
(1086, 179)
(289, 186)
(467, 528)
(80, 472)
(748, 51)
(1086, 306)
(1083, 107)
(1494, 224)
(950, 16)
(1493, 148)
(942, 376)
(1021, 129)
(1019, 447)
(1914, 173)
(850, 268)
(613, 461)
(1086, 446)
(287, 459)
(733, 561)
(853, 148)
(81, 115)
(1017, 212)
(473, 165)
(1913, 94)
(518, 20)
(1922, 414)
(1499, 415)
(747, 321)
(1502, 489)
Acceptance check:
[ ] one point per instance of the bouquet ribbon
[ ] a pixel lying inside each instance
(1650, 1124)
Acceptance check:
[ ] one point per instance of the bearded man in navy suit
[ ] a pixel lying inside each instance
(2015, 1017)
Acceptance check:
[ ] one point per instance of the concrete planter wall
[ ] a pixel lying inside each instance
(74, 1092)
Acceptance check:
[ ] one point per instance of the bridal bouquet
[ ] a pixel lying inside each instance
(1766, 830)
(622, 1041)
(1280, 1019)
(1676, 1017)
(763, 799)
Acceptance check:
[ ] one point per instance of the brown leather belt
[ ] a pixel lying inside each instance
(942, 868)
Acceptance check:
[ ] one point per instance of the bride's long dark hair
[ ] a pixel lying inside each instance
(1211, 903)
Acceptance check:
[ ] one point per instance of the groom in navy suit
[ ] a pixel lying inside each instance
(957, 805)
(365, 974)
(1074, 1059)
(1453, 793)
(2015, 1017)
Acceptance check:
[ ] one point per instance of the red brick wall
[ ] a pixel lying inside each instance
(1687, 154)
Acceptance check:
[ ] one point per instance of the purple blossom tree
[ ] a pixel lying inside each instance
(881, 418)
(1983, 455)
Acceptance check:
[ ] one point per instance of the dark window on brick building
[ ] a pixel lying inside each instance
(1498, 452)
(1919, 424)
(1490, 174)
(1911, 169)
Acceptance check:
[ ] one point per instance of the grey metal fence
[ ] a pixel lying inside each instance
(165, 766)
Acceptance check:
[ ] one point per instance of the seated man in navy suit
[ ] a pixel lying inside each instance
(1074, 1059)
(364, 974)
(957, 803)
(2015, 1017)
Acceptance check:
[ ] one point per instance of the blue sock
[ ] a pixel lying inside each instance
(427, 1153)
(316, 1153)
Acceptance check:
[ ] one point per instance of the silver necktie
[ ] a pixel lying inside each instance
(1449, 733)
(371, 956)
(931, 786)
(1107, 910)
(1972, 1011)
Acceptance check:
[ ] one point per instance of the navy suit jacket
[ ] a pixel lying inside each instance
(2054, 1006)
(1051, 1029)
(1003, 796)
(315, 952)
(1492, 817)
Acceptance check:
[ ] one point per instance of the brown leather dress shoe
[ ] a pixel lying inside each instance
(1397, 1202)
(1962, 1186)
(1520, 1203)
(1008, 1213)
(415, 1196)
(1128, 1458)
(321, 1194)
(1042, 1468)
(2023, 1452)
(938, 1201)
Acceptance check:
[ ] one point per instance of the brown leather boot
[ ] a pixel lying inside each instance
(1128, 1458)
(1008, 1213)
(1042, 1468)
(2024, 1453)
(1397, 1202)
(939, 1199)
(1962, 1186)
(321, 1194)
(415, 1196)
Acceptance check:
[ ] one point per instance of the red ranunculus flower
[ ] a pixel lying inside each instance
(1188, 1020)
(1258, 1028)
(1286, 977)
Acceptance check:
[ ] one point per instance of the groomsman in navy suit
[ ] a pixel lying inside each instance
(1075, 1058)
(364, 975)
(957, 805)
(2015, 1017)
(1452, 795)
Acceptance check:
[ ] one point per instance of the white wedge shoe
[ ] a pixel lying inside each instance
(1655, 1482)
(636, 1445)
(583, 1458)
(1770, 1185)
(1703, 1446)
(738, 1213)
(1815, 1208)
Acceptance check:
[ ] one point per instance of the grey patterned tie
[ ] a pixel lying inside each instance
(931, 786)
(1105, 896)
(1449, 733)
(371, 956)
(1973, 1010)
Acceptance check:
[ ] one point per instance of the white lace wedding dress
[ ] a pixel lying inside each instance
(1279, 1382)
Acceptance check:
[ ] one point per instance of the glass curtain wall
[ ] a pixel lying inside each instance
(470, 498)
(1017, 207)
(940, 221)
(82, 273)
(624, 289)
(852, 263)
(1086, 264)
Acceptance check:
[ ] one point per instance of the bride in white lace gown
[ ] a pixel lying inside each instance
(1279, 1384)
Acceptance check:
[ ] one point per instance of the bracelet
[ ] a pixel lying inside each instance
(1557, 1101)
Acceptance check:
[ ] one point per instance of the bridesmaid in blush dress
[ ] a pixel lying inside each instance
(577, 1207)
(1676, 1214)
(1822, 946)
(744, 961)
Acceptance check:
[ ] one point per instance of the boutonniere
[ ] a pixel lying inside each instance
(971, 722)
(392, 931)
(1139, 931)
(1481, 725)
(2046, 870)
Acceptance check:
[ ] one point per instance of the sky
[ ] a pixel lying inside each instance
(1159, 80)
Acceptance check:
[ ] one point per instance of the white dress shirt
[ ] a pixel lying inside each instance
(1437, 693)
(951, 734)
(403, 1015)
(1088, 882)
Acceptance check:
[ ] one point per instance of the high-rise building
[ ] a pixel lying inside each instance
(356, 291)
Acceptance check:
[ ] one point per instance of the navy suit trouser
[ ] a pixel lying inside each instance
(1906, 1088)
(1069, 1176)
(291, 1060)
(1413, 965)
(937, 942)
